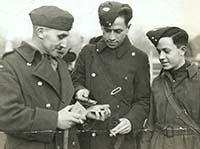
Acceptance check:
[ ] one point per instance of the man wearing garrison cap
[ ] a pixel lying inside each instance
(175, 105)
(110, 70)
(36, 88)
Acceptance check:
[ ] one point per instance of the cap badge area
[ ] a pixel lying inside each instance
(106, 9)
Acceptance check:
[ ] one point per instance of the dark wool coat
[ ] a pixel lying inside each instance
(102, 70)
(31, 93)
(185, 85)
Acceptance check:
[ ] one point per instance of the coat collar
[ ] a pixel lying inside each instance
(191, 69)
(27, 51)
(121, 50)
(43, 70)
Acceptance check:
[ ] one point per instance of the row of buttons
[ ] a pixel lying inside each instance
(94, 75)
(133, 53)
(40, 83)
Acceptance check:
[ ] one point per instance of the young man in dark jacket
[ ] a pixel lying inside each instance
(174, 114)
(112, 71)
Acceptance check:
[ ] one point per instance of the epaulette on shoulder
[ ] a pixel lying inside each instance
(94, 40)
(7, 53)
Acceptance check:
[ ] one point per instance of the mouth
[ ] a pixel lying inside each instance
(112, 44)
(164, 63)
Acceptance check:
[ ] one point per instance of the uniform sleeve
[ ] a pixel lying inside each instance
(20, 120)
(79, 73)
(140, 107)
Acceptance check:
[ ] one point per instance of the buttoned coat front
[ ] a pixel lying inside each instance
(118, 77)
(31, 94)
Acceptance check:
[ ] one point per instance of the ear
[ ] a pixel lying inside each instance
(40, 32)
(183, 49)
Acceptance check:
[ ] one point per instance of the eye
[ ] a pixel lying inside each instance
(167, 51)
(107, 30)
(62, 36)
(118, 31)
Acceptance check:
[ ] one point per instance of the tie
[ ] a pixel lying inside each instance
(52, 61)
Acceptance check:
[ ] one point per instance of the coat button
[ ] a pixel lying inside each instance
(117, 106)
(39, 83)
(97, 50)
(125, 78)
(1, 66)
(93, 134)
(93, 74)
(73, 143)
(58, 147)
(48, 105)
(133, 53)
(28, 64)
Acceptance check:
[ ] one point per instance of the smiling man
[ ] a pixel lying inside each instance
(175, 105)
(112, 71)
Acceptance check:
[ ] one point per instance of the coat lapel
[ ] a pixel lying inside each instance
(67, 90)
(45, 72)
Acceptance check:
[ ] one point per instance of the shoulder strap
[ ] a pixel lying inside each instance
(182, 113)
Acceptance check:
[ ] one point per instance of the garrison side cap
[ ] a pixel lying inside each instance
(69, 57)
(156, 34)
(110, 10)
(52, 17)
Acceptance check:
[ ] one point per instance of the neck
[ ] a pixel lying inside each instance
(37, 44)
(181, 64)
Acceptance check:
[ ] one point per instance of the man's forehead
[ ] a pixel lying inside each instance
(165, 42)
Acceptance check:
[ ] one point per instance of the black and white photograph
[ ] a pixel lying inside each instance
(99, 74)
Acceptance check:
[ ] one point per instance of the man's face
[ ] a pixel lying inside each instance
(115, 35)
(171, 57)
(55, 42)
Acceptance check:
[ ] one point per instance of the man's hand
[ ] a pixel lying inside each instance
(123, 127)
(67, 119)
(83, 95)
(99, 112)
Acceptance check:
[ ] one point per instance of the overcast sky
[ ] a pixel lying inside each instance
(147, 14)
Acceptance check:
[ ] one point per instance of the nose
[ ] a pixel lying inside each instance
(112, 36)
(161, 55)
(63, 43)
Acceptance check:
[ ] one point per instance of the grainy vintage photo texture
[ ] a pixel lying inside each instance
(15, 24)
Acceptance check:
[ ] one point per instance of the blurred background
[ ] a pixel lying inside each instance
(16, 26)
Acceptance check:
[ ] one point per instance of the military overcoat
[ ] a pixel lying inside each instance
(185, 85)
(118, 77)
(31, 94)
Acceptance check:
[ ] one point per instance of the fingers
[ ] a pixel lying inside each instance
(69, 107)
(91, 101)
(82, 94)
(123, 127)
(99, 112)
